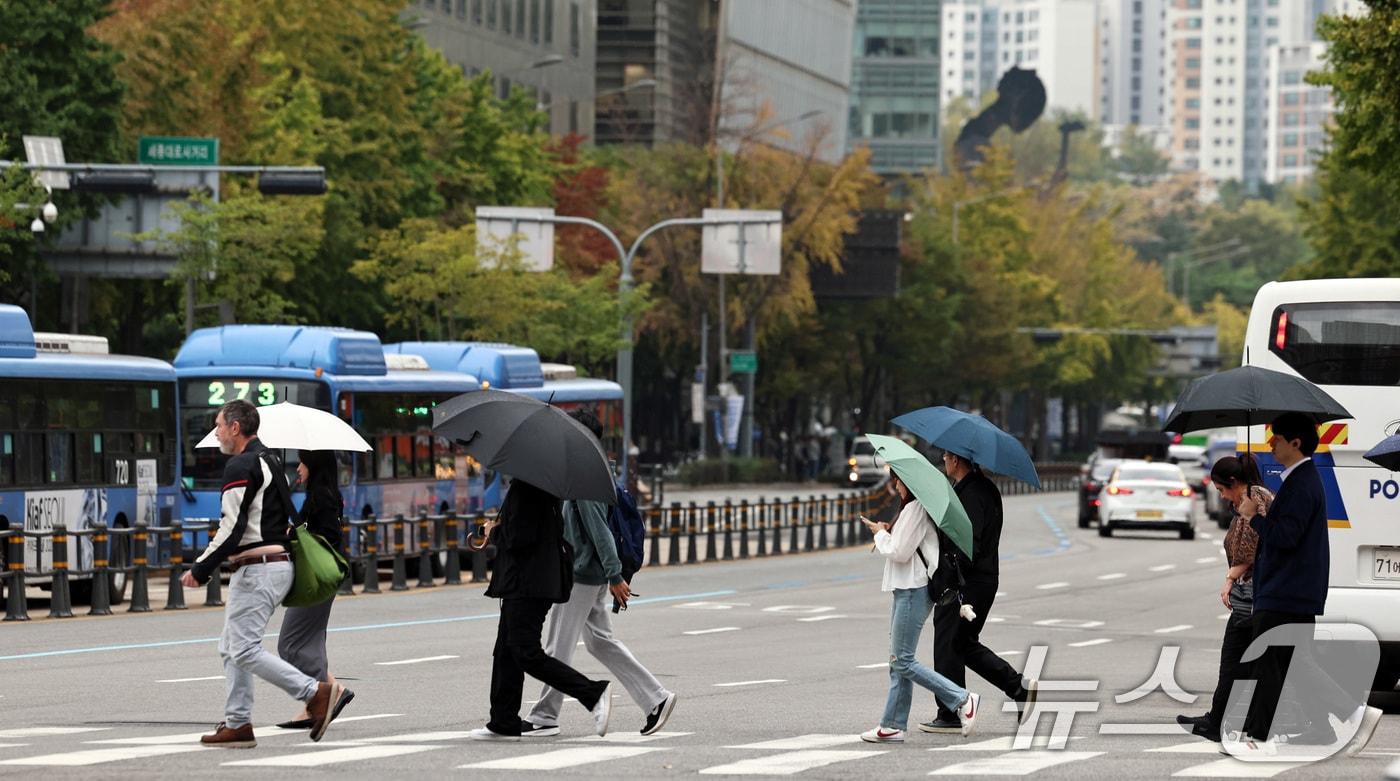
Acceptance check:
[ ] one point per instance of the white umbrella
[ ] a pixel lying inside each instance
(293, 426)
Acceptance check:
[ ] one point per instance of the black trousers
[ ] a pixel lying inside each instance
(518, 652)
(957, 646)
(1239, 631)
(1317, 693)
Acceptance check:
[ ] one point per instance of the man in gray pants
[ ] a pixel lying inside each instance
(597, 573)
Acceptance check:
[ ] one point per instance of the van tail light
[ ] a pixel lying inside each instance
(1180, 491)
(1116, 490)
(1281, 335)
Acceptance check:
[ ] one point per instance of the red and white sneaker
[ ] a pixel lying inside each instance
(882, 735)
(967, 712)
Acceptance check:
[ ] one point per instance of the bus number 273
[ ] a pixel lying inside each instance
(218, 393)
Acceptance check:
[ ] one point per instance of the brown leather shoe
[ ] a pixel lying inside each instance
(227, 737)
(324, 706)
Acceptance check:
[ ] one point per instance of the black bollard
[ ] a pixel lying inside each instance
(400, 578)
(795, 522)
(808, 516)
(371, 553)
(655, 533)
(823, 516)
(454, 556)
(775, 519)
(175, 597)
(60, 602)
(101, 602)
(840, 521)
(692, 521)
(213, 591)
(140, 592)
(347, 584)
(728, 530)
(674, 530)
(425, 552)
(743, 528)
(711, 548)
(16, 606)
(762, 509)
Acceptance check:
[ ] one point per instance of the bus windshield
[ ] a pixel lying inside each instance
(201, 398)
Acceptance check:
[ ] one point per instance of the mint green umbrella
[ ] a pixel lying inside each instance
(929, 486)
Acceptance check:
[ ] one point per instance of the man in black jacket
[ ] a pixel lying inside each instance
(956, 642)
(533, 571)
(1290, 589)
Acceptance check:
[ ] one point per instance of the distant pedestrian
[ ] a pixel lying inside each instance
(957, 644)
(302, 639)
(532, 572)
(909, 545)
(253, 533)
(1290, 588)
(597, 573)
(1235, 478)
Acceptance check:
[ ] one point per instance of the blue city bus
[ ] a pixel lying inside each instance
(408, 472)
(519, 370)
(85, 437)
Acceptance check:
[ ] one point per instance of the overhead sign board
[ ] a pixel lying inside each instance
(742, 241)
(177, 150)
(46, 150)
(501, 230)
(743, 362)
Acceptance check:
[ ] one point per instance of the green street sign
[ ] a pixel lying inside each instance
(177, 150)
(743, 362)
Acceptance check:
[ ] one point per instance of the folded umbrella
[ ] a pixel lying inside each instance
(292, 426)
(1386, 454)
(973, 437)
(929, 486)
(529, 440)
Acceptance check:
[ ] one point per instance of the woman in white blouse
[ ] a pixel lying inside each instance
(910, 546)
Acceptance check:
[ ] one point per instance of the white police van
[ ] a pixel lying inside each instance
(1344, 336)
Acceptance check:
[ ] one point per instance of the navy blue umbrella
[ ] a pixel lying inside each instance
(1386, 454)
(973, 437)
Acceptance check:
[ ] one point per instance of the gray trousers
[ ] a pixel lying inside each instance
(586, 614)
(254, 592)
(302, 641)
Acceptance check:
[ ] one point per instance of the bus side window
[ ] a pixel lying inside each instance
(29, 459)
(59, 462)
(403, 455)
(7, 459)
(385, 452)
(89, 458)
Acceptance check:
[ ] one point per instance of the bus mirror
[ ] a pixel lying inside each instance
(187, 483)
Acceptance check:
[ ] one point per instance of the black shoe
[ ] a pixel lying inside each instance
(529, 730)
(1191, 721)
(942, 726)
(1025, 700)
(1204, 729)
(656, 719)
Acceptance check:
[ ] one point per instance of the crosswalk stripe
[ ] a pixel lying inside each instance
(752, 683)
(711, 631)
(1234, 768)
(1016, 763)
(787, 764)
(417, 737)
(418, 660)
(190, 680)
(13, 745)
(99, 755)
(1087, 643)
(1162, 567)
(39, 732)
(262, 733)
(817, 740)
(335, 755)
(1194, 747)
(998, 744)
(1166, 630)
(627, 737)
(875, 666)
(558, 760)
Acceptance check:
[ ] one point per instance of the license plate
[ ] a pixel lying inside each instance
(1387, 564)
(1152, 515)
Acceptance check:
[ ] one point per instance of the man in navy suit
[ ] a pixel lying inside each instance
(1290, 588)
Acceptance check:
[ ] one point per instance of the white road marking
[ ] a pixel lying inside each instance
(1166, 630)
(418, 660)
(875, 666)
(788, 763)
(627, 737)
(366, 717)
(1008, 653)
(1048, 586)
(711, 631)
(1087, 643)
(1234, 768)
(191, 680)
(816, 740)
(191, 738)
(710, 605)
(558, 760)
(1194, 747)
(798, 609)
(1161, 568)
(41, 732)
(1207, 559)
(998, 744)
(99, 755)
(13, 745)
(995, 619)
(1071, 623)
(1113, 576)
(415, 737)
(1015, 763)
(753, 683)
(1143, 729)
(828, 617)
(334, 756)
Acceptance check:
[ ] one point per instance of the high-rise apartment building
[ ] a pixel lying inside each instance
(1297, 113)
(1133, 67)
(895, 84)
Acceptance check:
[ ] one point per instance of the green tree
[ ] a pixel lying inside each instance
(1139, 160)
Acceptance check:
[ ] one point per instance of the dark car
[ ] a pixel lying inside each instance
(1089, 487)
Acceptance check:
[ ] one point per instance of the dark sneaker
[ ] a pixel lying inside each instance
(1191, 721)
(528, 730)
(325, 705)
(942, 726)
(656, 719)
(228, 737)
(1025, 700)
(1204, 729)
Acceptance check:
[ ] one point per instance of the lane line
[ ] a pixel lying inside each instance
(191, 680)
(711, 631)
(1015, 763)
(1087, 643)
(875, 666)
(817, 740)
(1113, 576)
(335, 755)
(420, 659)
(1194, 747)
(1005, 744)
(627, 737)
(1162, 568)
(814, 619)
(41, 732)
(1233, 768)
(563, 758)
(1166, 630)
(1069, 623)
(99, 755)
(1207, 559)
(1147, 729)
(787, 764)
(753, 683)
(1048, 586)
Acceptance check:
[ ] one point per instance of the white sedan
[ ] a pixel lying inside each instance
(1147, 495)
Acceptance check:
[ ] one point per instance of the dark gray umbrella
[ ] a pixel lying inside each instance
(529, 440)
(1247, 396)
(1386, 454)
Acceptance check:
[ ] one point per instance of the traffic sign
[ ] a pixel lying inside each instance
(177, 150)
(743, 362)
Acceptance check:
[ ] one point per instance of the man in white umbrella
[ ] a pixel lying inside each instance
(253, 535)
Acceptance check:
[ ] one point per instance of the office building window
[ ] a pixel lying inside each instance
(447, 6)
(573, 116)
(490, 14)
(461, 9)
(476, 11)
(520, 20)
(548, 22)
(535, 22)
(575, 33)
(505, 16)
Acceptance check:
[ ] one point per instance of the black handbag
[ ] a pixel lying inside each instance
(941, 593)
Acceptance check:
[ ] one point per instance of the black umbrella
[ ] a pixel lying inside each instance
(1249, 395)
(1386, 454)
(529, 440)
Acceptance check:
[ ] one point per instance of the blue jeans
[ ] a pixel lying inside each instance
(911, 609)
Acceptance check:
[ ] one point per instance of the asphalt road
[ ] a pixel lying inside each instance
(779, 664)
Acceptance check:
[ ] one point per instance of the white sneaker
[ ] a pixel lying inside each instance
(1366, 723)
(967, 712)
(882, 735)
(602, 711)
(1248, 749)
(486, 733)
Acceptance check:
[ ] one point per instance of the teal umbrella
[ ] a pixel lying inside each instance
(929, 486)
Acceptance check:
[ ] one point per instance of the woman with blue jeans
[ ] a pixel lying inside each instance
(908, 545)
